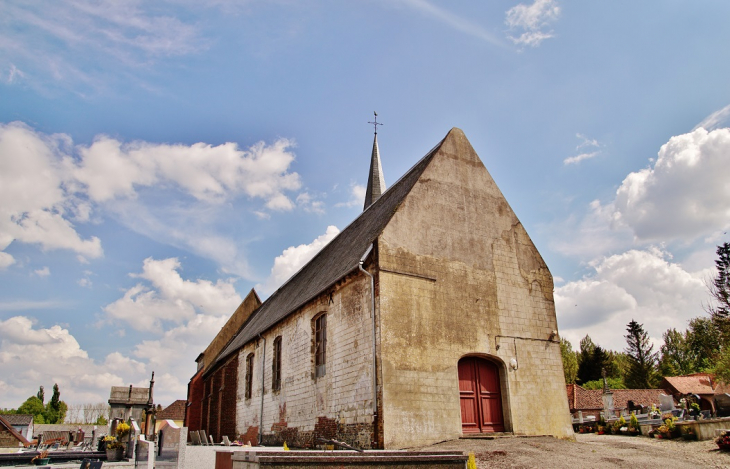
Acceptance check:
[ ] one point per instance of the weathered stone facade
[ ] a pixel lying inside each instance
(460, 276)
(337, 405)
(456, 280)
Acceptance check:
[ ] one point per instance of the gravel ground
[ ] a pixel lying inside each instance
(590, 451)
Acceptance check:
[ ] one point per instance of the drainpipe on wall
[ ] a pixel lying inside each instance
(263, 368)
(372, 309)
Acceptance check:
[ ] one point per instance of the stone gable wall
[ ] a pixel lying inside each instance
(337, 405)
(460, 276)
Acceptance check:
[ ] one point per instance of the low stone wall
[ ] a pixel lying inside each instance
(705, 429)
(336, 459)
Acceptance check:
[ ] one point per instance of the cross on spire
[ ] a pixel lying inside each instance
(375, 123)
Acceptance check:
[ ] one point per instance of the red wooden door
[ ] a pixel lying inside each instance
(481, 400)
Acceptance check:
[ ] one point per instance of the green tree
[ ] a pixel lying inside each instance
(55, 411)
(101, 421)
(34, 407)
(41, 394)
(719, 289)
(570, 361)
(613, 383)
(703, 341)
(722, 367)
(676, 356)
(642, 369)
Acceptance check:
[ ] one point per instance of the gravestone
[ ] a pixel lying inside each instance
(132, 438)
(171, 443)
(722, 404)
(89, 464)
(666, 403)
(608, 404)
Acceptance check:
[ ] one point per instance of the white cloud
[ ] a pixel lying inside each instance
(458, 23)
(110, 169)
(638, 284)
(47, 185)
(293, 258)
(31, 356)
(54, 40)
(171, 299)
(35, 207)
(357, 196)
(6, 260)
(310, 204)
(532, 19)
(84, 282)
(715, 120)
(578, 158)
(44, 272)
(685, 194)
(14, 74)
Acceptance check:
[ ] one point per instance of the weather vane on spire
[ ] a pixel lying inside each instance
(375, 123)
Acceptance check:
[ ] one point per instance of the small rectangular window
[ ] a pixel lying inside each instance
(320, 346)
(276, 365)
(249, 375)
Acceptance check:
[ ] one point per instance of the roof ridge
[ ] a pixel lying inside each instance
(298, 295)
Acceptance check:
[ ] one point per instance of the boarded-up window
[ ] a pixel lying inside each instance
(249, 375)
(276, 366)
(320, 346)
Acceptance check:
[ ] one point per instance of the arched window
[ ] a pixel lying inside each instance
(320, 346)
(276, 365)
(249, 376)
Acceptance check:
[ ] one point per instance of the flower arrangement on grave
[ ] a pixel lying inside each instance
(688, 433)
(723, 441)
(654, 414)
(112, 442)
(669, 429)
(619, 425)
(122, 430)
(695, 407)
(634, 428)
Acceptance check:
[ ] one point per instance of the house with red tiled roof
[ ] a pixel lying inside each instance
(9, 436)
(174, 412)
(590, 401)
(701, 385)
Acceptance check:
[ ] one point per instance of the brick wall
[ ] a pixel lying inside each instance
(219, 401)
(194, 409)
(339, 403)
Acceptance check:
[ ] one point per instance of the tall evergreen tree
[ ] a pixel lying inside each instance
(642, 368)
(720, 290)
(41, 394)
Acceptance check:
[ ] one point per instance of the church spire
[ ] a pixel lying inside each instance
(376, 181)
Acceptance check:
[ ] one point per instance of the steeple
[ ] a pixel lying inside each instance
(376, 181)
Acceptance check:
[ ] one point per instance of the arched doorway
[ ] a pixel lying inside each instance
(480, 395)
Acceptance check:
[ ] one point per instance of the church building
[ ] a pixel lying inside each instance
(430, 317)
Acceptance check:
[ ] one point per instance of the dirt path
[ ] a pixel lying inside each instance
(590, 451)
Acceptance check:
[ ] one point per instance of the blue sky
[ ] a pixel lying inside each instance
(159, 160)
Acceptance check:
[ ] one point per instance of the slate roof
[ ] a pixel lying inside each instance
(8, 427)
(66, 427)
(175, 411)
(590, 399)
(340, 257)
(18, 419)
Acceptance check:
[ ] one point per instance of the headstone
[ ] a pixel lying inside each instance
(580, 416)
(171, 441)
(134, 432)
(608, 404)
(195, 437)
(666, 403)
(722, 404)
(203, 437)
